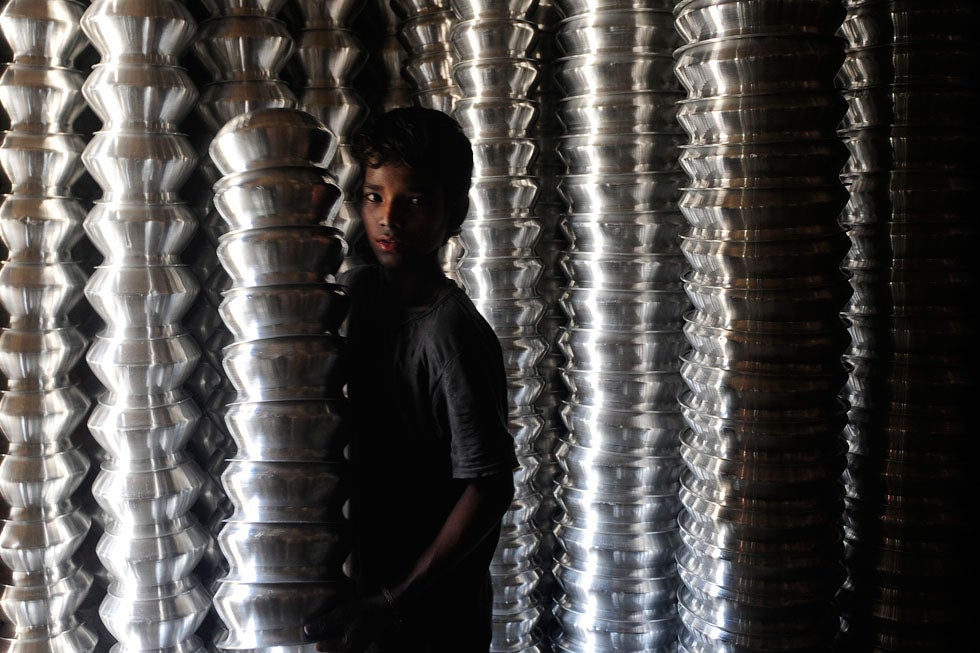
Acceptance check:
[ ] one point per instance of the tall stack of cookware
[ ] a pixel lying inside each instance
(500, 270)
(148, 481)
(424, 28)
(396, 90)
(623, 341)
(910, 83)
(286, 541)
(331, 55)
(762, 495)
(42, 583)
(243, 48)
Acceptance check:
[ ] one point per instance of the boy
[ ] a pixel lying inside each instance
(432, 455)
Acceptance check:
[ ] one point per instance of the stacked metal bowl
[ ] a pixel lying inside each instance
(42, 584)
(331, 55)
(909, 81)
(500, 271)
(243, 47)
(148, 481)
(424, 29)
(286, 541)
(392, 54)
(624, 301)
(760, 560)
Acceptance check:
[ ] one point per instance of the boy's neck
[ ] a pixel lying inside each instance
(414, 288)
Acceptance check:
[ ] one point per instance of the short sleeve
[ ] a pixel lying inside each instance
(473, 386)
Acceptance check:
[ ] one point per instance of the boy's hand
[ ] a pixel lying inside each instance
(351, 626)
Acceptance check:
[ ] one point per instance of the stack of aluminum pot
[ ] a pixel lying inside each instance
(148, 482)
(625, 303)
(909, 79)
(397, 90)
(243, 47)
(761, 540)
(287, 540)
(331, 55)
(424, 29)
(42, 584)
(500, 270)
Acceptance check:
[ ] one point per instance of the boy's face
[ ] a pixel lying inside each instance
(404, 213)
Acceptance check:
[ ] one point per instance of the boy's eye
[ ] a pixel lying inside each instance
(370, 197)
(418, 200)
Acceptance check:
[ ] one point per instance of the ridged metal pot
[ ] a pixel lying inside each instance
(286, 539)
(144, 355)
(760, 555)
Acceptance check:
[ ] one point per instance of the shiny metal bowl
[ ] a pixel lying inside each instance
(287, 367)
(471, 9)
(621, 351)
(699, 20)
(148, 31)
(139, 166)
(492, 117)
(619, 112)
(501, 196)
(152, 554)
(273, 137)
(764, 165)
(143, 427)
(222, 102)
(347, 56)
(300, 196)
(143, 366)
(499, 278)
(121, 488)
(154, 98)
(494, 237)
(233, 47)
(291, 430)
(285, 491)
(141, 296)
(284, 552)
(622, 193)
(580, 629)
(762, 209)
(509, 77)
(759, 64)
(745, 259)
(631, 432)
(493, 37)
(272, 311)
(616, 30)
(503, 156)
(138, 233)
(624, 310)
(623, 272)
(656, 391)
(652, 232)
(155, 616)
(615, 73)
(620, 153)
(267, 616)
(281, 255)
(44, 29)
(761, 118)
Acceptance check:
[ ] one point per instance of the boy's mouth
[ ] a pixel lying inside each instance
(388, 245)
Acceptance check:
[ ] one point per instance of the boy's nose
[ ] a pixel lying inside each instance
(391, 216)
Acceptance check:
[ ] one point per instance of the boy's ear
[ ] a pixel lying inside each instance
(456, 211)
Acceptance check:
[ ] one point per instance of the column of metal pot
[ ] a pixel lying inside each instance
(622, 345)
(148, 481)
(243, 47)
(41, 466)
(331, 55)
(500, 270)
(910, 131)
(548, 208)
(424, 29)
(287, 540)
(760, 529)
(396, 89)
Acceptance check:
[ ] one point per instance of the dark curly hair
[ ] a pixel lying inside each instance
(422, 139)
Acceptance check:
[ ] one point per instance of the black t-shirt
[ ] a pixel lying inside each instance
(429, 398)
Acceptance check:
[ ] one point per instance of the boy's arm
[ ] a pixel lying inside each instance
(478, 510)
